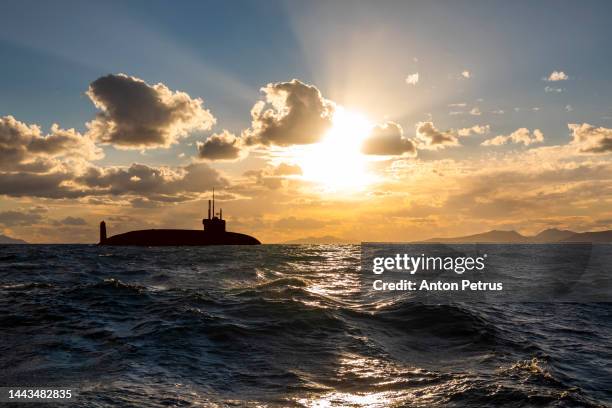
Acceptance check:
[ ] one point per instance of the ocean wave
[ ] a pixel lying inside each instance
(281, 326)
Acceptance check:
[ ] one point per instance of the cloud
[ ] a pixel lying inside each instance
(293, 223)
(466, 74)
(474, 130)
(273, 177)
(72, 221)
(569, 108)
(549, 89)
(475, 111)
(457, 105)
(266, 178)
(557, 76)
(285, 169)
(412, 79)
(293, 113)
(25, 147)
(136, 115)
(522, 135)
(18, 218)
(433, 138)
(387, 140)
(221, 146)
(47, 185)
(590, 139)
(156, 183)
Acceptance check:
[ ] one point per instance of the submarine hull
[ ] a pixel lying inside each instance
(175, 237)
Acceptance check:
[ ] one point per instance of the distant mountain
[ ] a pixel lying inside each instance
(8, 240)
(596, 236)
(552, 235)
(546, 236)
(327, 239)
(494, 236)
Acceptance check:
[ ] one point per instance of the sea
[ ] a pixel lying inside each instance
(281, 326)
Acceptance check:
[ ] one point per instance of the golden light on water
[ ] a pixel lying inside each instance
(337, 162)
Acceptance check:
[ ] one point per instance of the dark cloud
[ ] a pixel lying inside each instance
(23, 147)
(74, 221)
(591, 139)
(387, 140)
(221, 146)
(433, 138)
(52, 185)
(137, 115)
(140, 202)
(155, 183)
(163, 184)
(18, 218)
(293, 113)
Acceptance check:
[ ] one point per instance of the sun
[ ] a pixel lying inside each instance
(336, 162)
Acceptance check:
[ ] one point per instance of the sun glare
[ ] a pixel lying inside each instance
(337, 162)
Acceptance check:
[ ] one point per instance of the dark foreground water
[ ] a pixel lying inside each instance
(280, 326)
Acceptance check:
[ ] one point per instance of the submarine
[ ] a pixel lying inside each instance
(213, 233)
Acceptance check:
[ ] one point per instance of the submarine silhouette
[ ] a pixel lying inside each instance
(214, 233)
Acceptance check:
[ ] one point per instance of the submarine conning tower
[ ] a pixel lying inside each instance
(214, 223)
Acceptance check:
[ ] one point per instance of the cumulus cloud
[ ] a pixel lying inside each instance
(522, 135)
(474, 130)
(221, 146)
(432, 138)
(164, 184)
(590, 139)
(466, 74)
(388, 140)
(25, 147)
(47, 185)
(136, 115)
(557, 76)
(293, 113)
(412, 79)
(156, 183)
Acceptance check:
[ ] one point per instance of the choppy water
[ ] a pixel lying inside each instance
(280, 326)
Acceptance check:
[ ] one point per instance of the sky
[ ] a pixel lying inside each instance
(365, 121)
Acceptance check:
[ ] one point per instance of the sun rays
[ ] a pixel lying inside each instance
(336, 163)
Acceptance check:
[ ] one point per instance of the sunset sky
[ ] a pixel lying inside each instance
(350, 119)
